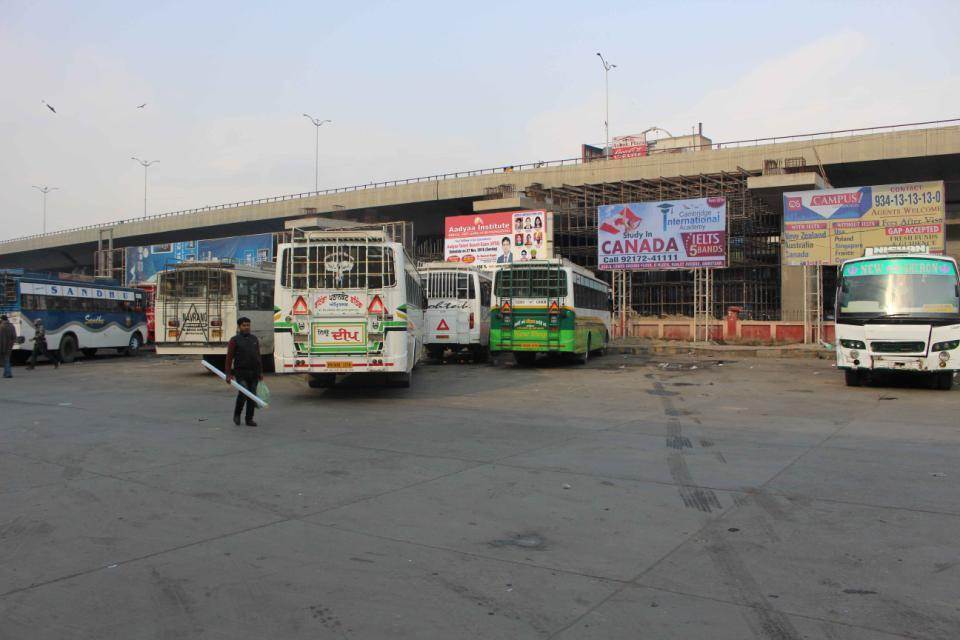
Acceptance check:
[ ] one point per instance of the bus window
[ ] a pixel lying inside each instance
(338, 267)
(531, 282)
(485, 293)
(196, 283)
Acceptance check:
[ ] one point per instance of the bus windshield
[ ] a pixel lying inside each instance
(450, 284)
(196, 283)
(902, 287)
(531, 282)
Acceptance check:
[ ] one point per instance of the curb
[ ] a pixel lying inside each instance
(719, 351)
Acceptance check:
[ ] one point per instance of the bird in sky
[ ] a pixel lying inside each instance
(142, 105)
(48, 106)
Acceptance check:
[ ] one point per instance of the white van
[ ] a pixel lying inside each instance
(458, 309)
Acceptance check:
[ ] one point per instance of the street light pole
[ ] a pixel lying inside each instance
(606, 79)
(317, 123)
(144, 164)
(45, 190)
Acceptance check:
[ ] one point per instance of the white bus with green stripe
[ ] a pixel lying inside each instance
(347, 302)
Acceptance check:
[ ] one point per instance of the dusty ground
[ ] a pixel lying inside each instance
(631, 498)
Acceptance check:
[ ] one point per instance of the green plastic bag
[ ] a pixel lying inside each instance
(263, 392)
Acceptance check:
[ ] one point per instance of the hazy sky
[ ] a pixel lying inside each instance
(416, 88)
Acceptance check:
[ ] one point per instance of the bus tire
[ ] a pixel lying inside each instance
(267, 363)
(435, 353)
(220, 362)
(19, 357)
(68, 348)
(89, 352)
(853, 378)
(480, 354)
(321, 380)
(133, 347)
(943, 380)
(584, 358)
(524, 358)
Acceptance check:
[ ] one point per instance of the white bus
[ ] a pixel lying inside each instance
(80, 314)
(549, 306)
(899, 313)
(197, 305)
(348, 302)
(458, 309)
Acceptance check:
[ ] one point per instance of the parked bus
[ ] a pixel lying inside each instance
(348, 302)
(80, 314)
(549, 306)
(197, 305)
(899, 312)
(458, 309)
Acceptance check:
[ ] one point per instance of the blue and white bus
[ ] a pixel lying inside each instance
(80, 314)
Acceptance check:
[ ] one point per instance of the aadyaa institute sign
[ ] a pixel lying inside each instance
(670, 234)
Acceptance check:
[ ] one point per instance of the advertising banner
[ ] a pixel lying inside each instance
(672, 234)
(142, 263)
(829, 226)
(492, 238)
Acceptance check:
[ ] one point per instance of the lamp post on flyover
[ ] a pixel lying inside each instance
(144, 164)
(316, 158)
(606, 79)
(45, 190)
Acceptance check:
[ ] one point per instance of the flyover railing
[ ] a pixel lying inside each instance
(503, 169)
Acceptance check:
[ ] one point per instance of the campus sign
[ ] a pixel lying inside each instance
(829, 226)
(505, 237)
(671, 234)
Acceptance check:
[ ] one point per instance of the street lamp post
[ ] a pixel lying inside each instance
(145, 164)
(606, 78)
(317, 123)
(45, 190)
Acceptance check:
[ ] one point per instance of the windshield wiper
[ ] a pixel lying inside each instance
(885, 316)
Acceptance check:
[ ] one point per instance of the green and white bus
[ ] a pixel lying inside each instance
(551, 307)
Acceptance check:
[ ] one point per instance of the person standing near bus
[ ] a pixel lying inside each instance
(40, 346)
(243, 363)
(8, 338)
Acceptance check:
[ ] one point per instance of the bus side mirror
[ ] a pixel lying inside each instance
(844, 286)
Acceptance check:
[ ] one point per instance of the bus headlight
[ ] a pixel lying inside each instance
(855, 354)
(944, 356)
(852, 344)
(945, 346)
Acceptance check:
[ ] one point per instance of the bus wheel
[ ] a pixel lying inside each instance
(943, 380)
(321, 380)
(89, 352)
(524, 358)
(220, 362)
(133, 347)
(481, 354)
(435, 353)
(853, 378)
(68, 349)
(585, 358)
(267, 363)
(19, 357)
(399, 380)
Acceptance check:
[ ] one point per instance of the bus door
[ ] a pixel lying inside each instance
(506, 307)
(451, 314)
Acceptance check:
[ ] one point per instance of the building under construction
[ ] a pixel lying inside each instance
(752, 279)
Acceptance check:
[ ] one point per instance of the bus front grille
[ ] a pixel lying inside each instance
(897, 347)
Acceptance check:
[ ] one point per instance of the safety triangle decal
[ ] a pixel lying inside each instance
(300, 307)
(443, 325)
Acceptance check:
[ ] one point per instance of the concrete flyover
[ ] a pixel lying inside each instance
(904, 153)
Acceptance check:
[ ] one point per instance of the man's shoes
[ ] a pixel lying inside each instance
(29, 368)
(56, 365)
(251, 423)
(236, 420)
(7, 376)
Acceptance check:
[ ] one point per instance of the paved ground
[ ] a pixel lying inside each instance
(632, 498)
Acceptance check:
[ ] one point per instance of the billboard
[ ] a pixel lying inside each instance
(829, 226)
(503, 237)
(671, 234)
(142, 263)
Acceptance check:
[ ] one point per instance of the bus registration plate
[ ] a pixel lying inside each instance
(339, 364)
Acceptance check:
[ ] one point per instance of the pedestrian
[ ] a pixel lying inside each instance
(40, 346)
(8, 338)
(243, 363)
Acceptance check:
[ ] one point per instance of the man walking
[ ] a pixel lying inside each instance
(244, 363)
(40, 346)
(8, 338)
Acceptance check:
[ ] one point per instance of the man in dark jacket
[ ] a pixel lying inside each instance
(244, 363)
(40, 346)
(8, 338)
